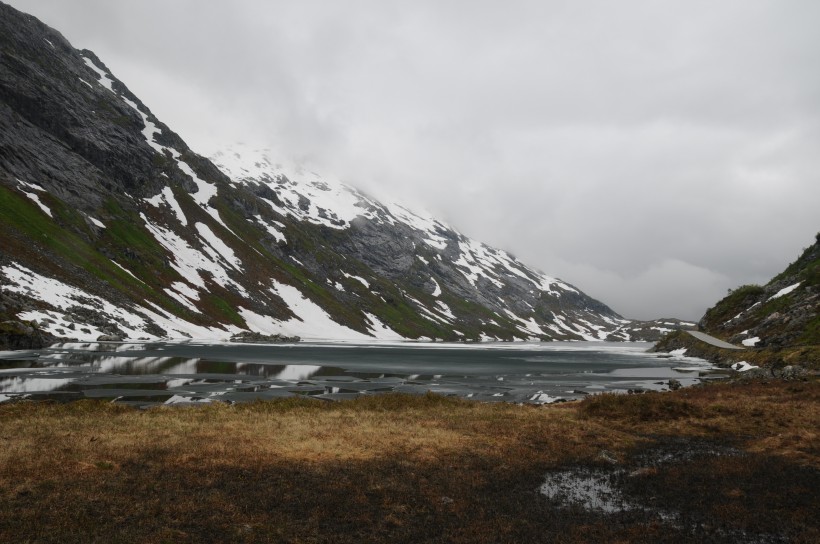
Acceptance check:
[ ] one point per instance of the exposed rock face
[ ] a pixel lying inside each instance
(19, 335)
(114, 227)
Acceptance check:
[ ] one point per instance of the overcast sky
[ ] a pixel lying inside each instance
(652, 153)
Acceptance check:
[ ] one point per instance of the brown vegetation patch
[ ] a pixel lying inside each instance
(381, 468)
(763, 415)
(645, 407)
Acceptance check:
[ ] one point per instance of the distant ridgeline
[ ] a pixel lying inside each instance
(113, 227)
(778, 323)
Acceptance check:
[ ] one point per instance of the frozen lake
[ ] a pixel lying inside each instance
(156, 373)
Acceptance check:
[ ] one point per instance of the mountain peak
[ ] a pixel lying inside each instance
(113, 226)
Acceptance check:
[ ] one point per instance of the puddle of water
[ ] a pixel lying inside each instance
(589, 489)
(599, 489)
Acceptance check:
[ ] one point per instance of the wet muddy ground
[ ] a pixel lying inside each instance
(693, 489)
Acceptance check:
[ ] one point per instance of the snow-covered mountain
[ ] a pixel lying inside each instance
(113, 226)
(436, 262)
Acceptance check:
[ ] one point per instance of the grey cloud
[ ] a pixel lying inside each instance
(652, 153)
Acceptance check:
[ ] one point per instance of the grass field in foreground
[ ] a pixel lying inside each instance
(396, 468)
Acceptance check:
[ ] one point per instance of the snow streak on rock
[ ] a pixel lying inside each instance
(167, 196)
(188, 261)
(785, 291)
(105, 79)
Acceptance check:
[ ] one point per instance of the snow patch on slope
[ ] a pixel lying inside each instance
(167, 196)
(150, 129)
(62, 297)
(105, 79)
(785, 291)
(272, 230)
(36, 199)
(310, 320)
(188, 262)
(380, 330)
(33, 197)
(527, 326)
(444, 309)
(34, 186)
(426, 224)
(357, 278)
(751, 342)
(126, 270)
(221, 251)
(205, 191)
(305, 195)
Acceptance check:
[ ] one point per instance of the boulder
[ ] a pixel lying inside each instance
(792, 372)
(16, 334)
(259, 338)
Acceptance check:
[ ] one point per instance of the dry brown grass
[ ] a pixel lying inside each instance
(386, 468)
(776, 417)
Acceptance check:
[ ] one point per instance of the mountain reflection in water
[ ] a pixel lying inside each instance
(154, 373)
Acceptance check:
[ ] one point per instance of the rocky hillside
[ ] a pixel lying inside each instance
(784, 312)
(775, 321)
(112, 226)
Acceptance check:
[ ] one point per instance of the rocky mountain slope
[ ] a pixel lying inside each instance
(784, 312)
(777, 322)
(112, 226)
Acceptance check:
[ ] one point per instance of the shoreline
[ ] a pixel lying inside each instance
(160, 372)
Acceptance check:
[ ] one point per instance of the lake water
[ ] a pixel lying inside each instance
(155, 373)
